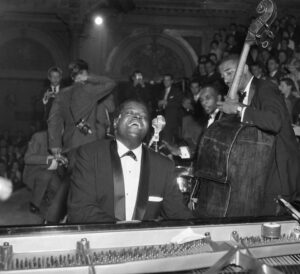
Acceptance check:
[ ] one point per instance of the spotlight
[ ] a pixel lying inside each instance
(98, 20)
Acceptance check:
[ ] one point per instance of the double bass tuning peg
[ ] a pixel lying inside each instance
(265, 39)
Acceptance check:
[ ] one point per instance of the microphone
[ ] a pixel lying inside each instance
(158, 124)
(6, 188)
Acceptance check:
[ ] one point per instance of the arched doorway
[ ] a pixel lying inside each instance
(154, 54)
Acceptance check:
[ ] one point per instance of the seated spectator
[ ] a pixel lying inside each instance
(15, 175)
(274, 73)
(222, 44)
(42, 174)
(257, 70)
(170, 106)
(232, 45)
(253, 56)
(3, 169)
(214, 48)
(287, 87)
(200, 72)
(282, 61)
(138, 89)
(293, 68)
(286, 43)
(213, 57)
(213, 77)
(264, 56)
(3, 153)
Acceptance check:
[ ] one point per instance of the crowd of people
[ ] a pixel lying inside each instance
(94, 108)
(12, 150)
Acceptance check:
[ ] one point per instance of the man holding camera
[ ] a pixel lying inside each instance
(44, 176)
(79, 114)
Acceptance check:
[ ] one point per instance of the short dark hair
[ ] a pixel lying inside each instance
(214, 42)
(54, 69)
(169, 75)
(257, 64)
(212, 86)
(77, 66)
(289, 82)
(195, 80)
(120, 108)
(272, 57)
(209, 61)
(136, 72)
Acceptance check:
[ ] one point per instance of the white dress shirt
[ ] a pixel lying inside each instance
(131, 174)
(196, 97)
(212, 117)
(246, 99)
(167, 91)
(55, 89)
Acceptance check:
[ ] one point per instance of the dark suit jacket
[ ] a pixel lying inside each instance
(173, 114)
(76, 102)
(35, 157)
(97, 170)
(268, 112)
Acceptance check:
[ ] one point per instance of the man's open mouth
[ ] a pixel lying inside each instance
(134, 124)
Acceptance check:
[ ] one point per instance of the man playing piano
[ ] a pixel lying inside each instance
(121, 179)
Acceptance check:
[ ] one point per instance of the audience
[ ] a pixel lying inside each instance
(184, 109)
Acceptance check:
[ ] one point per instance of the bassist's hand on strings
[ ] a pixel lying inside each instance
(230, 106)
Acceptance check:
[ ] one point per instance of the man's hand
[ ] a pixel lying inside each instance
(230, 106)
(55, 151)
(187, 104)
(162, 104)
(172, 148)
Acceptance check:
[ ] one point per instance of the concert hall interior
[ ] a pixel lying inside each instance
(149, 115)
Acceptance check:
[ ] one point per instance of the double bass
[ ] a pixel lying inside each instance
(233, 157)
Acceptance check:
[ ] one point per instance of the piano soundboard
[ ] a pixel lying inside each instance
(187, 247)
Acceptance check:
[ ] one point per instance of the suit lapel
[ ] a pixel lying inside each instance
(118, 183)
(252, 90)
(143, 190)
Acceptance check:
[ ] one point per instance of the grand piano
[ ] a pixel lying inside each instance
(235, 245)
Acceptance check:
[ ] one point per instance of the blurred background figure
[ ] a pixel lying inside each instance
(54, 76)
(44, 177)
(170, 106)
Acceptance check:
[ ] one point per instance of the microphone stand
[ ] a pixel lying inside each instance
(158, 124)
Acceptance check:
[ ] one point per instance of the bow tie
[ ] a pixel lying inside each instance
(130, 154)
(242, 95)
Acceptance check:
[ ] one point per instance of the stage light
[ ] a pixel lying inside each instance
(98, 20)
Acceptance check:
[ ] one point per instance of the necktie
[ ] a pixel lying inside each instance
(130, 154)
(242, 95)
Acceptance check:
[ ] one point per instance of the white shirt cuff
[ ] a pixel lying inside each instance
(184, 152)
(242, 113)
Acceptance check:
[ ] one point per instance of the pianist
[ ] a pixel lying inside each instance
(123, 180)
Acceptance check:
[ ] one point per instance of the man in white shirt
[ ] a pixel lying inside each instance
(54, 76)
(123, 180)
(264, 108)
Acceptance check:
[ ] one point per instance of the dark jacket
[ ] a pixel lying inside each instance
(98, 169)
(173, 114)
(80, 101)
(268, 112)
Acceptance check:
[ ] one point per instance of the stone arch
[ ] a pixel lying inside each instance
(153, 54)
(46, 41)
